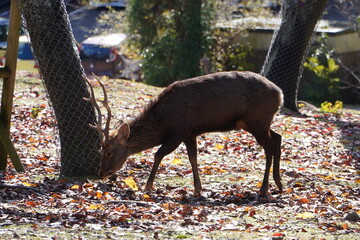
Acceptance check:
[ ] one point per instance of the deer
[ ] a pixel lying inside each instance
(216, 102)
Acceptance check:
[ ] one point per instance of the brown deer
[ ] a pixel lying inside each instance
(185, 109)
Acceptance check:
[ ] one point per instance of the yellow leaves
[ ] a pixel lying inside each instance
(96, 207)
(75, 187)
(298, 185)
(219, 146)
(29, 184)
(357, 180)
(328, 107)
(176, 161)
(169, 206)
(305, 215)
(88, 185)
(146, 196)
(211, 170)
(130, 182)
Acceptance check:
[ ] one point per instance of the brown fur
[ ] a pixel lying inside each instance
(215, 102)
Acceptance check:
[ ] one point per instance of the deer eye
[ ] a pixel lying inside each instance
(108, 154)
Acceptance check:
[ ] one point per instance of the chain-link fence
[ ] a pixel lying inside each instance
(284, 61)
(60, 68)
(63, 76)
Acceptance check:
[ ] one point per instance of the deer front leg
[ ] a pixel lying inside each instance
(191, 146)
(166, 148)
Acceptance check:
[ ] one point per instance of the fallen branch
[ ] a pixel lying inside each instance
(139, 203)
(22, 187)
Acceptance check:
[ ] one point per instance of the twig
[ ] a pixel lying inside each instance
(22, 187)
(140, 203)
(338, 60)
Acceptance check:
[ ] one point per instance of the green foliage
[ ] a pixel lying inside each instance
(172, 37)
(231, 49)
(35, 112)
(321, 77)
(328, 107)
(228, 53)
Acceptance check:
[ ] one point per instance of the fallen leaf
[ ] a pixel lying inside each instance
(31, 203)
(94, 207)
(280, 234)
(303, 200)
(130, 182)
(29, 184)
(176, 161)
(305, 215)
(219, 146)
(98, 195)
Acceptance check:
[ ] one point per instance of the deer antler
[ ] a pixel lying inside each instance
(98, 126)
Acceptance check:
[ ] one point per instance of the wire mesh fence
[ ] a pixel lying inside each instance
(284, 61)
(63, 76)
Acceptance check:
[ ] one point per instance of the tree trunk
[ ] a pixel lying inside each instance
(190, 31)
(53, 45)
(284, 61)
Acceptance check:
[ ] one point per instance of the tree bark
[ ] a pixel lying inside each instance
(284, 61)
(63, 75)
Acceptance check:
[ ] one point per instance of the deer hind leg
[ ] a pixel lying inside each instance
(191, 147)
(166, 148)
(277, 153)
(263, 137)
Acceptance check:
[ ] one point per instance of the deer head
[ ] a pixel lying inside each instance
(114, 151)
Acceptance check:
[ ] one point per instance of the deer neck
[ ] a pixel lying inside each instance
(144, 134)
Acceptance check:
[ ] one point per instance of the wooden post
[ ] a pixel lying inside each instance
(9, 73)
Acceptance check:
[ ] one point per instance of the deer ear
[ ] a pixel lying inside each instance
(118, 124)
(123, 133)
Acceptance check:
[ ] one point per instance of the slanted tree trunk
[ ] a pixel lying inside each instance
(53, 45)
(284, 61)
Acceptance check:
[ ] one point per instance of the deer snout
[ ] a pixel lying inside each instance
(105, 173)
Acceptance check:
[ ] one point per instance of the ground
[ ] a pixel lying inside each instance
(319, 168)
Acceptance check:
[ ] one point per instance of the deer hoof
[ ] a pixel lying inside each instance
(264, 198)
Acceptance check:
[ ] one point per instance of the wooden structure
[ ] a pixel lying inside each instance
(8, 75)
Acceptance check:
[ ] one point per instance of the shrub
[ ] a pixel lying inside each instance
(172, 37)
(228, 53)
(328, 107)
(321, 79)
